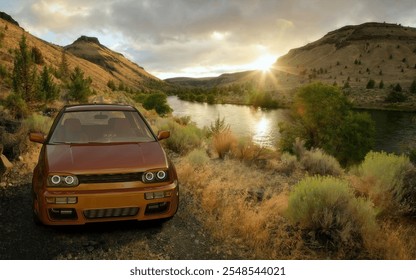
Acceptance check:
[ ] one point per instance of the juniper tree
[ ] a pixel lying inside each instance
(24, 72)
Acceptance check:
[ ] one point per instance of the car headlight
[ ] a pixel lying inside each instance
(155, 176)
(62, 180)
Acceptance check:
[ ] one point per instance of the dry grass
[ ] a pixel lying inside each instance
(223, 142)
(245, 208)
(242, 207)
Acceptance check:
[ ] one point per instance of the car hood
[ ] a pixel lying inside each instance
(105, 158)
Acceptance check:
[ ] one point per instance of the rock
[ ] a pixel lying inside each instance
(3, 184)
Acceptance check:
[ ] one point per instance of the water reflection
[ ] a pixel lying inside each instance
(262, 134)
(259, 125)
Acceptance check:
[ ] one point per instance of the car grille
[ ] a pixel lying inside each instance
(110, 178)
(111, 212)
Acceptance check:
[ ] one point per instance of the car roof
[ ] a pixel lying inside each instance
(98, 107)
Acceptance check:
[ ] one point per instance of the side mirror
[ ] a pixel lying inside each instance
(37, 137)
(163, 134)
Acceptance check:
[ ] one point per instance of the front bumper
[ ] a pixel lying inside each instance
(106, 202)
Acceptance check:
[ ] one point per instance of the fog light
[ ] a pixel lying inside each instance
(61, 200)
(148, 195)
(159, 195)
(72, 200)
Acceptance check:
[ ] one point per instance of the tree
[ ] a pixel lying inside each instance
(413, 87)
(381, 85)
(64, 67)
(158, 102)
(371, 83)
(112, 85)
(47, 89)
(79, 87)
(322, 117)
(24, 72)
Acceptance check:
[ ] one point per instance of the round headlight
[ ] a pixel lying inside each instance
(149, 176)
(161, 175)
(56, 179)
(69, 180)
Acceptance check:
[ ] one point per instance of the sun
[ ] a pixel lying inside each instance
(264, 62)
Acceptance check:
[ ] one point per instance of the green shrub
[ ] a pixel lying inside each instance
(370, 84)
(219, 126)
(182, 139)
(326, 208)
(38, 123)
(158, 102)
(387, 171)
(317, 162)
(198, 158)
(395, 97)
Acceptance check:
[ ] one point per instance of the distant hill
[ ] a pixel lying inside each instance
(96, 61)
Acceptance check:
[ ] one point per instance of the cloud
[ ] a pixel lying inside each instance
(168, 37)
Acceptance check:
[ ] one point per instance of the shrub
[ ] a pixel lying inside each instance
(327, 209)
(395, 97)
(223, 143)
(218, 126)
(198, 158)
(317, 162)
(158, 102)
(37, 56)
(245, 150)
(370, 84)
(38, 123)
(408, 192)
(289, 163)
(112, 85)
(182, 138)
(387, 172)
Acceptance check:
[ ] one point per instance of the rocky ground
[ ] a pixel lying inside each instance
(183, 237)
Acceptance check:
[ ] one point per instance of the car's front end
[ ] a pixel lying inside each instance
(97, 181)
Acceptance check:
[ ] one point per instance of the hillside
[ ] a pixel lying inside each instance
(96, 61)
(370, 50)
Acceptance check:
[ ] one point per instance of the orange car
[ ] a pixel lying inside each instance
(99, 163)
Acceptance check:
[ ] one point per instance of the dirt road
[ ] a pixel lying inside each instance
(183, 237)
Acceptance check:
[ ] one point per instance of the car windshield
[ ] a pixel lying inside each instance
(101, 127)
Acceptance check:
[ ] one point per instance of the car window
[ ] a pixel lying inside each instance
(101, 127)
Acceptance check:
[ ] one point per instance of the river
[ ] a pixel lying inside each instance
(395, 131)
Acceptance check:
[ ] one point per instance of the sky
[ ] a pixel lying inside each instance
(200, 38)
